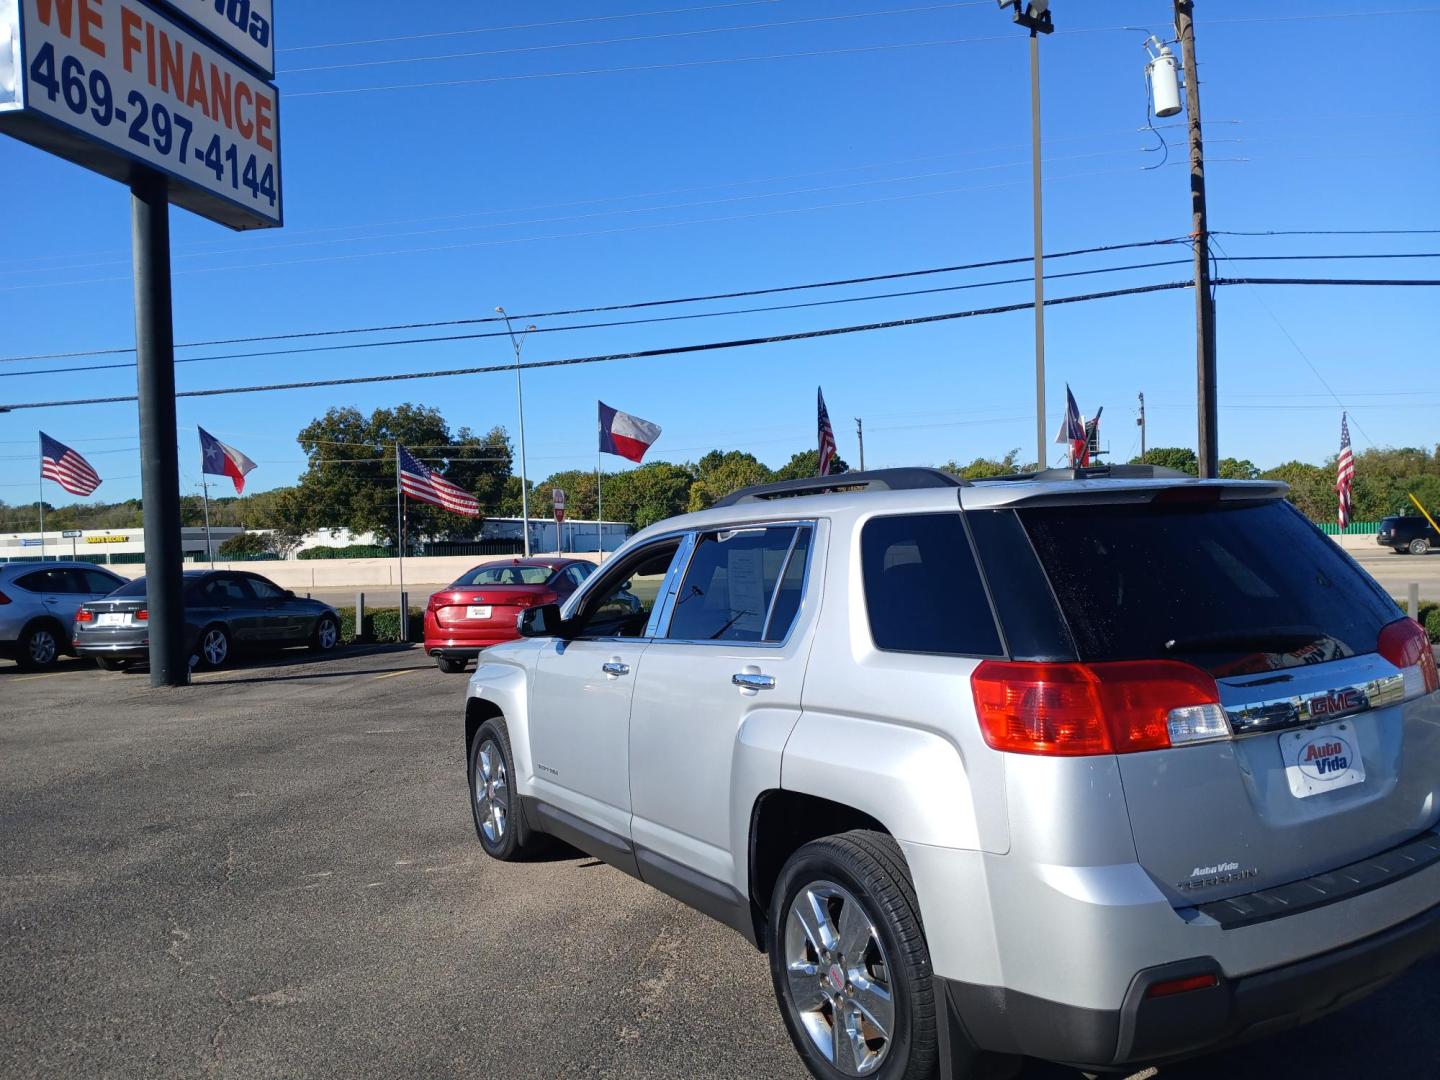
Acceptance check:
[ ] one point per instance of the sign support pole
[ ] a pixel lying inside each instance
(159, 460)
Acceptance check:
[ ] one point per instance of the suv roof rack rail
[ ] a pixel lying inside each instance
(1100, 472)
(907, 479)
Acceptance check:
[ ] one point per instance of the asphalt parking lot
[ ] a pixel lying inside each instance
(273, 873)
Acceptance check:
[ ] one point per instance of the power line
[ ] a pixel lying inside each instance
(599, 309)
(1327, 281)
(451, 338)
(850, 51)
(680, 350)
(525, 26)
(635, 39)
(1325, 232)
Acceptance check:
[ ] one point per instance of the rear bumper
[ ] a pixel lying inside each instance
(1147, 1030)
(466, 648)
(126, 651)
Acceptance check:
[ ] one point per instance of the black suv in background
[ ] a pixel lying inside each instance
(1412, 534)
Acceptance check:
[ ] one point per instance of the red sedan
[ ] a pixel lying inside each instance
(480, 608)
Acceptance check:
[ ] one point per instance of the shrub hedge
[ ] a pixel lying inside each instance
(382, 625)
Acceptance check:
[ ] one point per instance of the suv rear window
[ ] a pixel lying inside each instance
(1230, 587)
(922, 587)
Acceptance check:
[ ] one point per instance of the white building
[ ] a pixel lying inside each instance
(103, 545)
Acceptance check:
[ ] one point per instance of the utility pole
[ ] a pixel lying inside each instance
(860, 434)
(1207, 448)
(1141, 421)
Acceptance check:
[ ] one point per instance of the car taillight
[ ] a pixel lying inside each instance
(1070, 710)
(1406, 645)
(4, 599)
(84, 616)
(142, 615)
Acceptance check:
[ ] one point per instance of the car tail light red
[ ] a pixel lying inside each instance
(1182, 986)
(1070, 710)
(1406, 645)
(4, 599)
(84, 616)
(142, 615)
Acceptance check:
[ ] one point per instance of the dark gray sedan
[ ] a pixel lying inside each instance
(226, 611)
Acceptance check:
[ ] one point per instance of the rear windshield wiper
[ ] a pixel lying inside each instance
(1271, 639)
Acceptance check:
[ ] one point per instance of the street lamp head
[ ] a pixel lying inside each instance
(529, 328)
(1034, 15)
(499, 310)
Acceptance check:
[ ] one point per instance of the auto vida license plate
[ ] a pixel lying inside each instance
(1322, 759)
(477, 611)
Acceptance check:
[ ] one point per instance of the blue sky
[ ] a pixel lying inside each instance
(691, 172)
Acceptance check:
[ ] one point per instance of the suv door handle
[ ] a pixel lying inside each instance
(750, 680)
(615, 668)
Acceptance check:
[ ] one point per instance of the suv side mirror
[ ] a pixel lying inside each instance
(542, 621)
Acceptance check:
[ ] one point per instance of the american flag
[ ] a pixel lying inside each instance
(421, 483)
(67, 468)
(1344, 473)
(827, 436)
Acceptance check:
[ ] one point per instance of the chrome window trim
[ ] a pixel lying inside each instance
(797, 524)
(667, 585)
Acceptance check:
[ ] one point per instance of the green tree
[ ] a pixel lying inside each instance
(1181, 458)
(647, 494)
(806, 464)
(719, 473)
(1237, 469)
(244, 545)
(982, 467)
(1312, 489)
(350, 480)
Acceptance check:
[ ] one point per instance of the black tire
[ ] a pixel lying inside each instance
(450, 665)
(514, 839)
(213, 653)
(1419, 546)
(870, 867)
(109, 663)
(322, 641)
(39, 647)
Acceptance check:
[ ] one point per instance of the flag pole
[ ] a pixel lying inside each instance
(400, 534)
(41, 504)
(599, 510)
(205, 491)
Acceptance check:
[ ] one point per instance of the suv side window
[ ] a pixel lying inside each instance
(620, 605)
(923, 589)
(97, 582)
(731, 584)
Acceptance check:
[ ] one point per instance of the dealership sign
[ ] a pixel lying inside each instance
(245, 27)
(112, 84)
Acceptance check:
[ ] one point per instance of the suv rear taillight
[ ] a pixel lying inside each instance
(1069, 710)
(1406, 645)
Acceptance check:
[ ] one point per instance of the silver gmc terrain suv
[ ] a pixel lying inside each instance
(1105, 767)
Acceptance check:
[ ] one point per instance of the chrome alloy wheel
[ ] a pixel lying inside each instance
(839, 978)
(492, 791)
(42, 648)
(215, 646)
(328, 634)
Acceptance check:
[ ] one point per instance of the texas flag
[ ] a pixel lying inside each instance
(625, 435)
(218, 459)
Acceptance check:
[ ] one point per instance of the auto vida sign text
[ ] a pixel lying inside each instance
(245, 27)
(107, 83)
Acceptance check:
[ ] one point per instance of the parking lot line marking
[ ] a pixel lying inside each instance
(32, 678)
(392, 674)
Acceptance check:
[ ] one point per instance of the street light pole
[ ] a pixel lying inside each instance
(520, 405)
(1034, 15)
